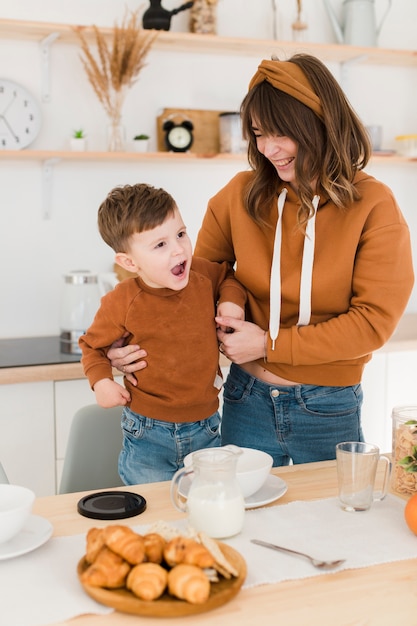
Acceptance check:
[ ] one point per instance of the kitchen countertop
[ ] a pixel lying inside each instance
(26, 351)
(34, 359)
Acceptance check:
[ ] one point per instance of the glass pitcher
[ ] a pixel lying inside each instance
(215, 504)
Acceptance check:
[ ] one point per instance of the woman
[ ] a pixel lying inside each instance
(324, 253)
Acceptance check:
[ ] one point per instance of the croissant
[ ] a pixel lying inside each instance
(148, 581)
(154, 547)
(188, 582)
(108, 570)
(95, 541)
(125, 542)
(184, 550)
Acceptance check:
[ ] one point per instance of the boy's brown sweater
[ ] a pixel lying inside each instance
(178, 331)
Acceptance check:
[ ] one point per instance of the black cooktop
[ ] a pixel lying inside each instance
(25, 351)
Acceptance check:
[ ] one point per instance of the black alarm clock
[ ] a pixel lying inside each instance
(178, 135)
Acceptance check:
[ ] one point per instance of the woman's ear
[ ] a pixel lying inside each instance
(125, 261)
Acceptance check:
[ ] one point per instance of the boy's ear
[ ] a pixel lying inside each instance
(126, 262)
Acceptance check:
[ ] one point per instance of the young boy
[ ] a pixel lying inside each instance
(169, 308)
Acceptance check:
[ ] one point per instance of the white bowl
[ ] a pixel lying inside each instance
(407, 145)
(15, 506)
(253, 467)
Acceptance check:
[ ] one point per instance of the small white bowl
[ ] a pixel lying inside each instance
(15, 507)
(407, 145)
(253, 467)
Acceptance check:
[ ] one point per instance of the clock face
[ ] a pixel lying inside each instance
(20, 116)
(180, 138)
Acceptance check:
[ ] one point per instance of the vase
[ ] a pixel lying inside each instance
(115, 135)
(203, 17)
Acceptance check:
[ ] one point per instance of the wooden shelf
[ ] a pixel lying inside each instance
(64, 155)
(196, 43)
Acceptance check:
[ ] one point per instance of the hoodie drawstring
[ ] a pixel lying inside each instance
(275, 280)
(306, 271)
(307, 268)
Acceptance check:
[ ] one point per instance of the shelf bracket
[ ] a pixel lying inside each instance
(47, 181)
(345, 66)
(45, 74)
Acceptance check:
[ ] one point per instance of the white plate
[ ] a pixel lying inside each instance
(272, 489)
(34, 534)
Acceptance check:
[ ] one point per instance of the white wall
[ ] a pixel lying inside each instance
(34, 252)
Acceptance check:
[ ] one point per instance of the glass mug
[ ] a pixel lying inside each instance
(357, 463)
(215, 503)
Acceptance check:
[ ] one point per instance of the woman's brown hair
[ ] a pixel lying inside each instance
(331, 149)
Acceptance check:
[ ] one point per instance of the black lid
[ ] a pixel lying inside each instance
(111, 505)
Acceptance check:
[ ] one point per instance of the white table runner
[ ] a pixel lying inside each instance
(42, 587)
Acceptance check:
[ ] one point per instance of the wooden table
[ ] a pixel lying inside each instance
(379, 595)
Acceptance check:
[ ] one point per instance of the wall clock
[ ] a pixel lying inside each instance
(20, 116)
(178, 136)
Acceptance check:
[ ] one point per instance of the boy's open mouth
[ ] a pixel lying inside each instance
(179, 269)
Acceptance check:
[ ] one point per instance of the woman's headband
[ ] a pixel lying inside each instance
(288, 77)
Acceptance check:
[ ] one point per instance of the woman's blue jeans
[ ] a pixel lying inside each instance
(301, 423)
(154, 450)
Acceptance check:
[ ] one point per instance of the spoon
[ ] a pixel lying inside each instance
(316, 562)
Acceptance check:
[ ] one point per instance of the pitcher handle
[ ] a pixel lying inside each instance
(179, 504)
(384, 17)
(388, 466)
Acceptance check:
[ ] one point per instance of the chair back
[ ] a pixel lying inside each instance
(3, 476)
(93, 448)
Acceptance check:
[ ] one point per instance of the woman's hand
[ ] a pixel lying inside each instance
(127, 359)
(245, 343)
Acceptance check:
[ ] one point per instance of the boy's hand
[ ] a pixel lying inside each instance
(229, 309)
(110, 394)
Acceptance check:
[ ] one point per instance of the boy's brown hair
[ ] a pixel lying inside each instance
(132, 209)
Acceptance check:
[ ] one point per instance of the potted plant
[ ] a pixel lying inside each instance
(140, 143)
(78, 141)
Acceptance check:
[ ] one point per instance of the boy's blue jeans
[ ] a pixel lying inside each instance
(302, 423)
(154, 450)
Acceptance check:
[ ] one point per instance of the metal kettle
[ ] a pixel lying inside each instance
(159, 18)
(80, 300)
(358, 25)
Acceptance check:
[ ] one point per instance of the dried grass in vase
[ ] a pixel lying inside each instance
(116, 66)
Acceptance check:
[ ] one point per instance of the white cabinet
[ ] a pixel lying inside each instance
(374, 420)
(402, 378)
(389, 380)
(27, 441)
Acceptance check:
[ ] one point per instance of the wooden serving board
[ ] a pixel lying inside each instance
(167, 606)
(206, 129)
